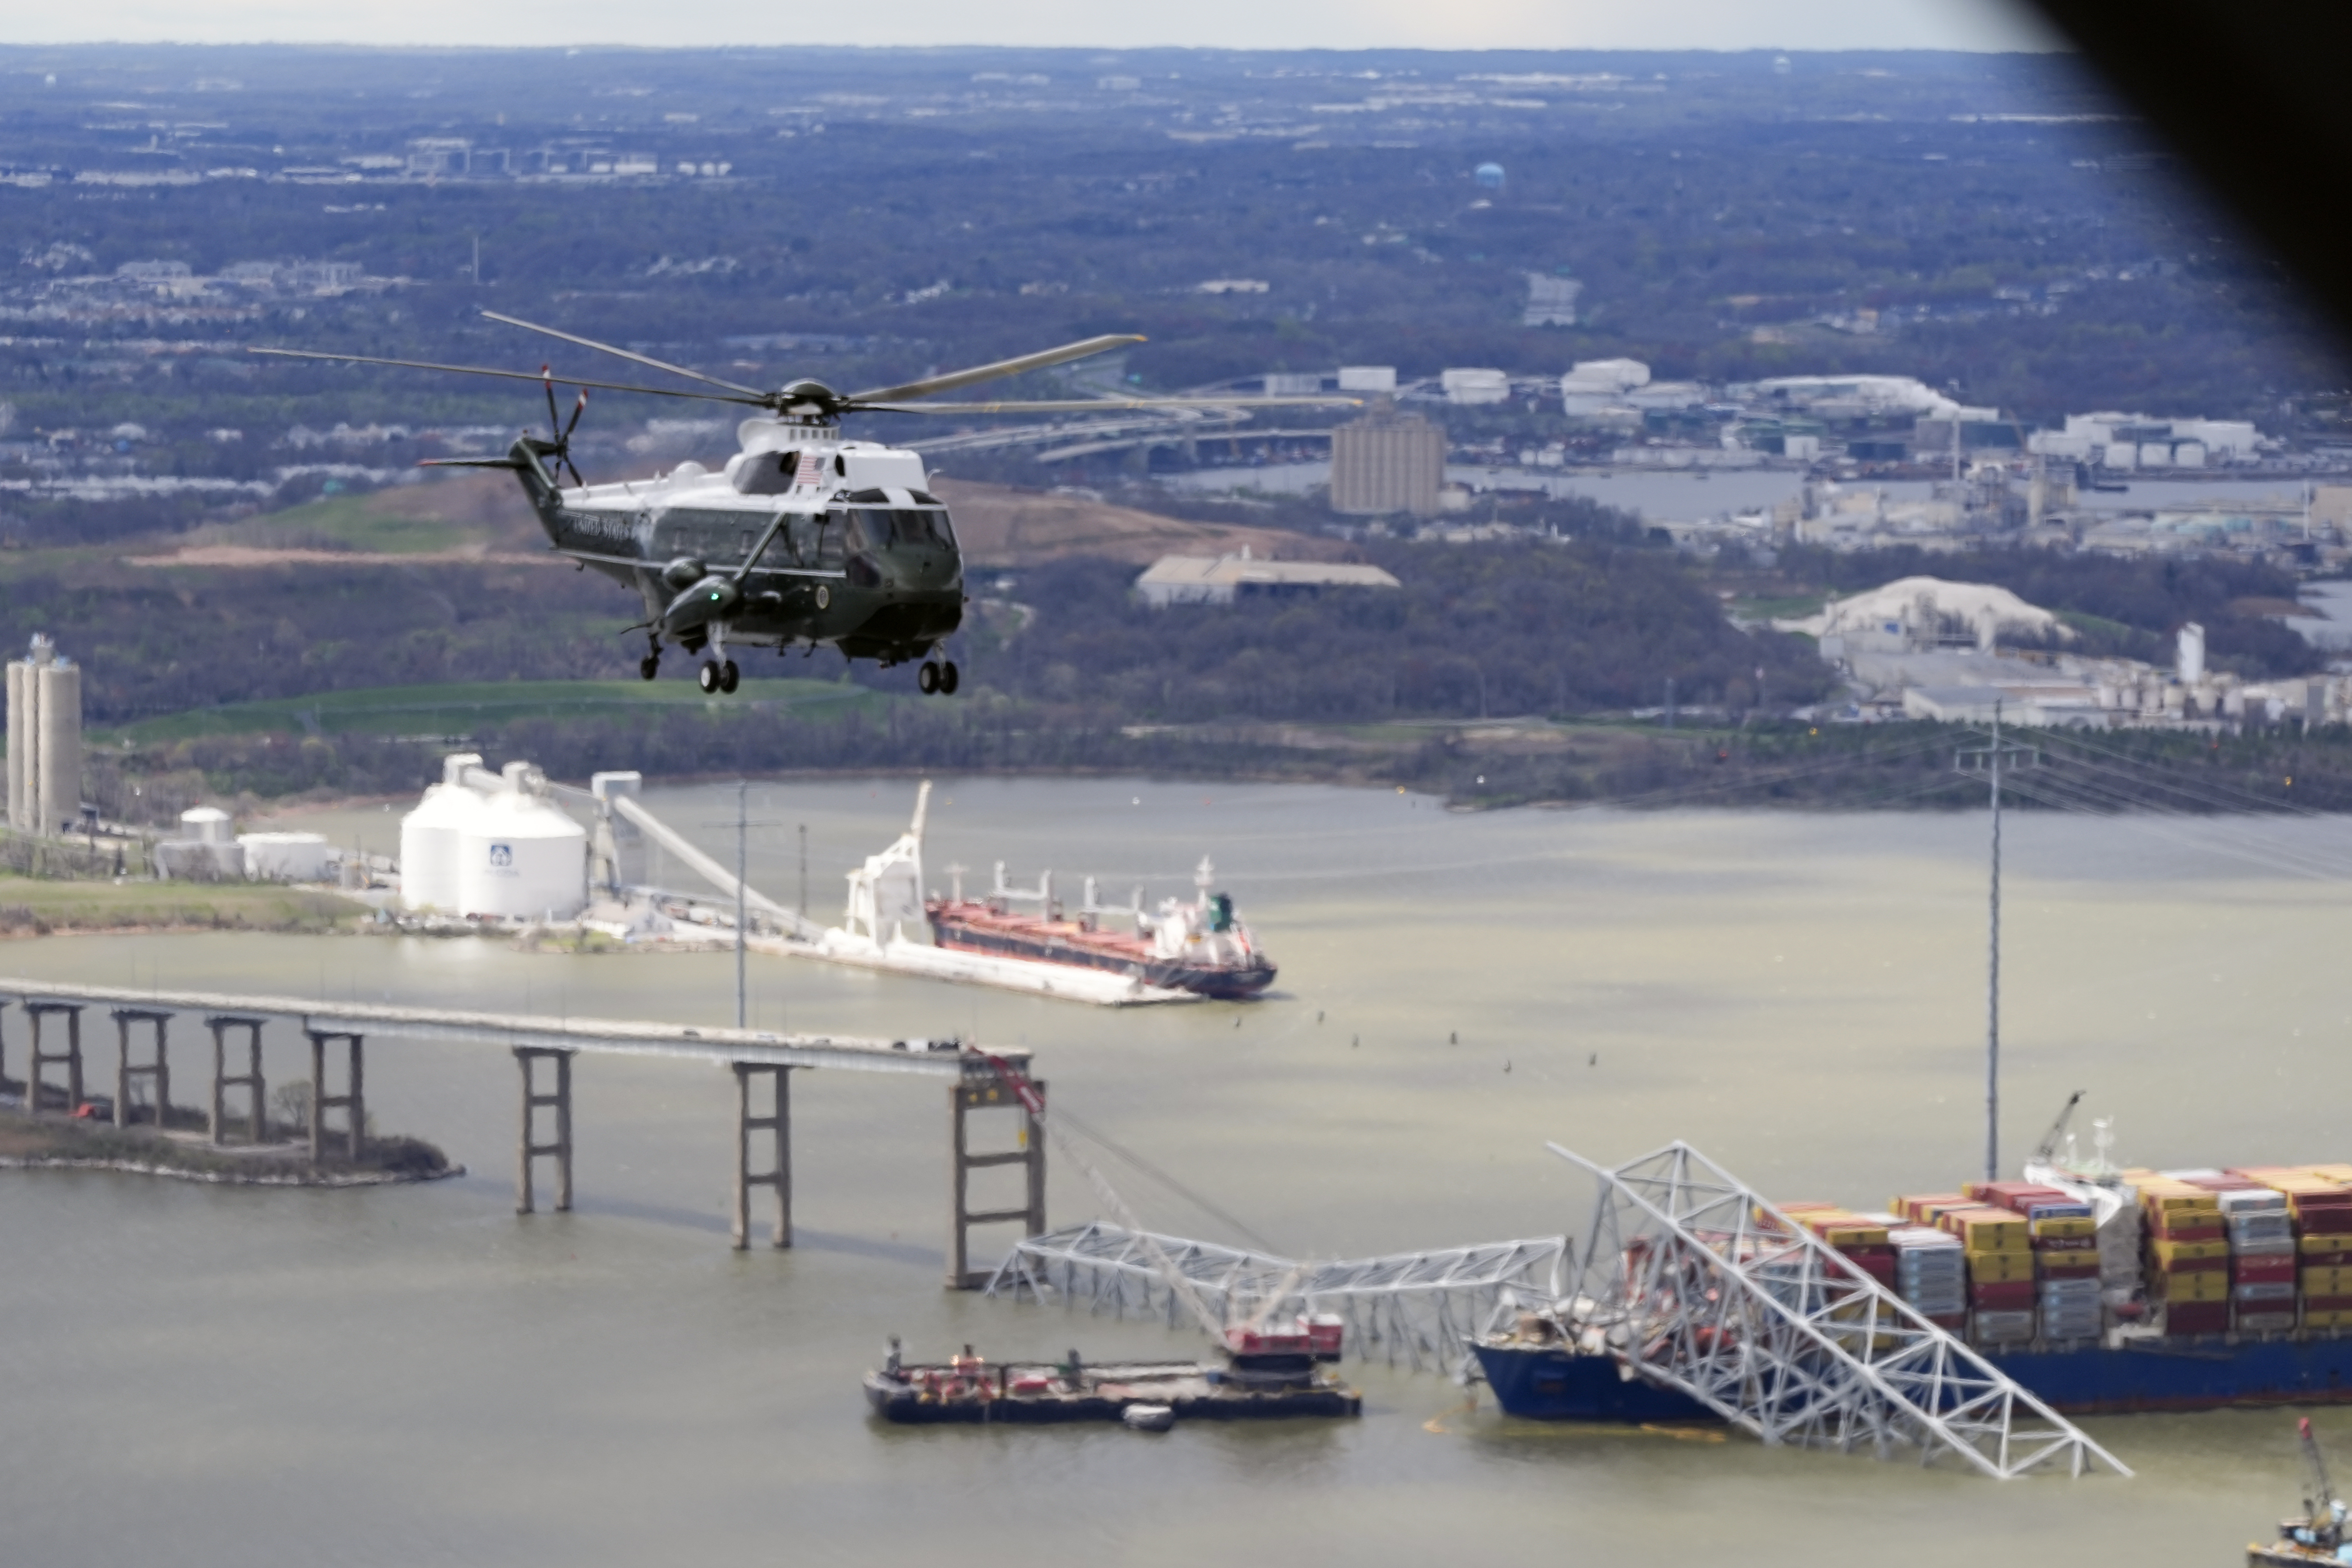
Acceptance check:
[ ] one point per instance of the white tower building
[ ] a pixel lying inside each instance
(2191, 665)
(44, 741)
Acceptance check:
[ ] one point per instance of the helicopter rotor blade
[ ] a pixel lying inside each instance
(547, 385)
(624, 354)
(760, 402)
(955, 379)
(577, 410)
(1102, 404)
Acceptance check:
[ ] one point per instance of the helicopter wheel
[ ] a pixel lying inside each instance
(648, 666)
(708, 679)
(926, 679)
(729, 675)
(948, 678)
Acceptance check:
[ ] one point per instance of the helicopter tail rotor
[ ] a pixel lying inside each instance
(560, 433)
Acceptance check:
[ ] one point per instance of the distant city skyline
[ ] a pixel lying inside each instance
(1725, 25)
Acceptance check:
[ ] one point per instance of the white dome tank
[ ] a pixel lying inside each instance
(428, 837)
(521, 856)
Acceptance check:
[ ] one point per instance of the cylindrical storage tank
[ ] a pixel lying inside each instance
(285, 856)
(58, 757)
(206, 825)
(429, 847)
(21, 784)
(522, 857)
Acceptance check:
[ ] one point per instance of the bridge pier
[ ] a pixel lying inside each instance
(779, 1175)
(559, 1101)
(352, 1102)
(70, 1057)
(964, 1096)
(158, 1072)
(250, 1080)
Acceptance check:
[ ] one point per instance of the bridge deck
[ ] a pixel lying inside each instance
(610, 1036)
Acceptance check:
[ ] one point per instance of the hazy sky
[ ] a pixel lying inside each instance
(1231, 24)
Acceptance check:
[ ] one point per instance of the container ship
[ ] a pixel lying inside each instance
(1200, 946)
(2101, 1290)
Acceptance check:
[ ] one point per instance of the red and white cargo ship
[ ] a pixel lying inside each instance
(1200, 945)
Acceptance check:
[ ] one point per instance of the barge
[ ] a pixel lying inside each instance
(1261, 1376)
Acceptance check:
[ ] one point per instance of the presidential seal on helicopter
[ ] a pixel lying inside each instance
(803, 539)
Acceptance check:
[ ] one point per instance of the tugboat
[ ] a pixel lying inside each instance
(2318, 1535)
(1201, 946)
(1264, 1373)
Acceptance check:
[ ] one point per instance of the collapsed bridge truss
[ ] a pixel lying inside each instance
(1420, 1309)
(1702, 1286)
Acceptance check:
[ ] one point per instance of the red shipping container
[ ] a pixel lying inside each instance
(2224, 1184)
(2017, 1194)
(2086, 1270)
(2333, 1220)
(2328, 1303)
(2248, 1270)
(2197, 1318)
(2007, 1295)
(1950, 1322)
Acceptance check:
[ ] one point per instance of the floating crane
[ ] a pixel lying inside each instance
(2318, 1535)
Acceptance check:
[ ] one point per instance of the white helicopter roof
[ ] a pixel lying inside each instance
(793, 463)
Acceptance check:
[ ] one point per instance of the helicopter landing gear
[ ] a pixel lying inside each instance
(648, 666)
(728, 677)
(708, 679)
(926, 679)
(947, 677)
(718, 677)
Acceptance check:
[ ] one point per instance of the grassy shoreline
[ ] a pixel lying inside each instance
(40, 906)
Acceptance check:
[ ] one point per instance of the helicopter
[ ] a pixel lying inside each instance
(803, 539)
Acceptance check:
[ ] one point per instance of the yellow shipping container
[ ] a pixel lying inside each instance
(2209, 1285)
(2059, 1229)
(2168, 1252)
(1840, 1233)
(1984, 1233)
(2336, 1281)
(2000, 1267)
(2325, 1244)
(2338, 1174)
(2338, 1320)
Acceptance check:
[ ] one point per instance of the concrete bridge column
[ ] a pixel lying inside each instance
(778, 1176)
(250, 1080)
(70, 1057)
(964, 1096)
(352, 1102)
(158, 1072)
(557, 1098)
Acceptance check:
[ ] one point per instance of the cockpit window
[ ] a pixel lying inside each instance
(885, 528)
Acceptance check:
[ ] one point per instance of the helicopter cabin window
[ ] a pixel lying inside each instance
(765, 473)
(833, 538)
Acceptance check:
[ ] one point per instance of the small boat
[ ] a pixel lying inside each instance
(1263, 1374)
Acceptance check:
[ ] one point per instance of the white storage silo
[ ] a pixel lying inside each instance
(522, 857)
(429, 837)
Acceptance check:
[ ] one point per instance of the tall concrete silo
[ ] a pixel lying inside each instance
(44, 741)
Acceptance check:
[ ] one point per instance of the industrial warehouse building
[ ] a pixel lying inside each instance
(1221, 579)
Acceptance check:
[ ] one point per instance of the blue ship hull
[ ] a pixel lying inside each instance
(1549, 1383)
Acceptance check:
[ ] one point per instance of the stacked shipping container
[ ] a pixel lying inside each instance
(2255, 1250)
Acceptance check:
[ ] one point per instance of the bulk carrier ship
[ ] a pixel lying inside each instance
(2100, 1290)
(1200, 946)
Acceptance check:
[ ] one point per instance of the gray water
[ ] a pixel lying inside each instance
(415, 1374)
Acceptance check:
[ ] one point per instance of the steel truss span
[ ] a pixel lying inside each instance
(1418, 1308)
(1705, 1288)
